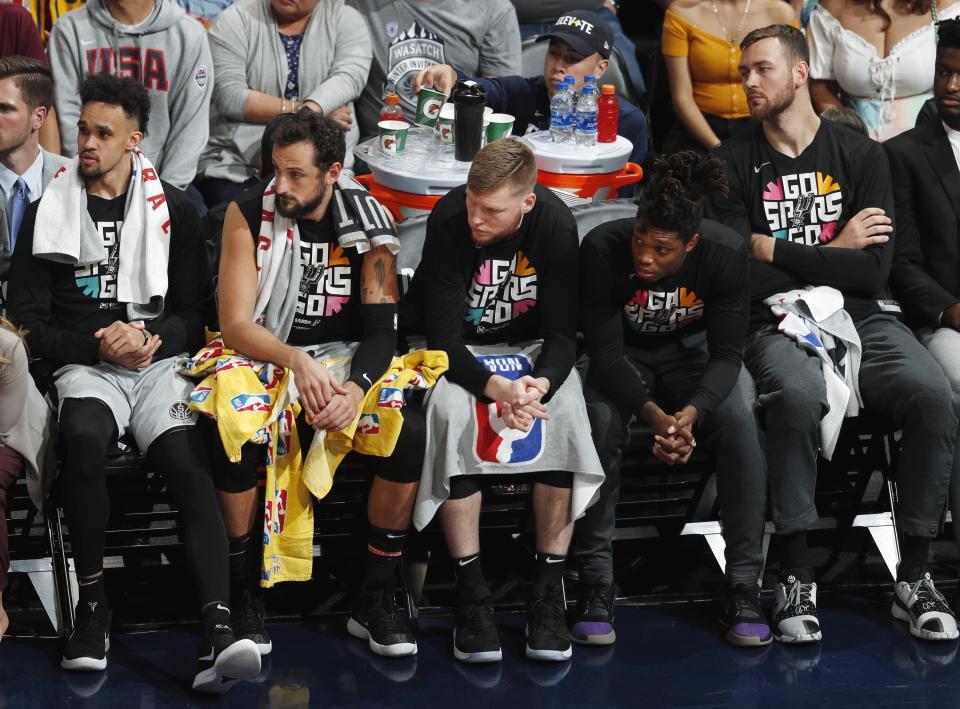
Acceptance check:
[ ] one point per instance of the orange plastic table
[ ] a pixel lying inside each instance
(603, 186)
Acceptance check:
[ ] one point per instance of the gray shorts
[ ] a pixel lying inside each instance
(145, 402)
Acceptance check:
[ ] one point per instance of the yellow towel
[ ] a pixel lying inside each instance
(251, 401)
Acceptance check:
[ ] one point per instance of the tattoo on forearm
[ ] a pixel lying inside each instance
(380, 273)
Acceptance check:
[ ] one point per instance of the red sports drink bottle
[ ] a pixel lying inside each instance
(608, 114)
(391, 110)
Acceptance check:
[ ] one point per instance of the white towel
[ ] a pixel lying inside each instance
(815, 318)
(65, 233)
(360, 222)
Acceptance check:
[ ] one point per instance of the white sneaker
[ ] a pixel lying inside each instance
(925, 609)
(795, 612)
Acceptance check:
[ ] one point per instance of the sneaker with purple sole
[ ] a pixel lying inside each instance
(743, 617)
(591, 622)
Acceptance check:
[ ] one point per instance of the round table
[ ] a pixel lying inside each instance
(413, 182)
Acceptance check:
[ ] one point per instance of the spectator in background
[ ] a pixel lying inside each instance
(272, 57)
(24, 417)
(26, 94)
(580, 44)
(701, 50)
(155, 42)
(537, 17)
(19, 35)
(846, 116)
(925, 165)
(481, 38)
(877, 61)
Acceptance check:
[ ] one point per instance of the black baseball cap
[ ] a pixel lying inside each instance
(585, 31)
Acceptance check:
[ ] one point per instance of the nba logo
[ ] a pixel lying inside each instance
(495, 442)
(250, 402)
(200, 394)
(285, 432)
(280, 511)
(267, 520)
(390, 398)
(369, 425)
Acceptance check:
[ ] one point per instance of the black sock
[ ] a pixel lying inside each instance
(215, 618)
(244, 563)
(913, 557)
(794, 555)
(93, 592)
(549, 571)
(384, 549)
(471, 583)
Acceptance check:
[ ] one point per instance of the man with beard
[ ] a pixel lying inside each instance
(110, 279)
(814, 200)
(347, 294)
(925, 163)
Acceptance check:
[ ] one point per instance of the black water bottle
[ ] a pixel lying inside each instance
(469, 99)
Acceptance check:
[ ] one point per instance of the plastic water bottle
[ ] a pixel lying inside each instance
(586, 115)
(561, 114)
(609, 116)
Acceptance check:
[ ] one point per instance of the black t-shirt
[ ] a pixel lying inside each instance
(618, 310)
(62, 306)
(805, 202)
(97, 283)
(328, 306)
(521, 288)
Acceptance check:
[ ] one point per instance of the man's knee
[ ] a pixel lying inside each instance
(796, 402)
(87, 429)
(608, 427)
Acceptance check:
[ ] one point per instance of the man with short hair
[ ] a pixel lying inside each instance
(26, 94)
(156, 43)
(409, 35)
(344, 303)
(925, 166)
(814, 198)
(111, 281)
(497, 291)
(664, 309)
(580, 44)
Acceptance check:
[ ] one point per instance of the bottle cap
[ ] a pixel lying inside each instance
(589, 79)
(609, 89)
(392, 99)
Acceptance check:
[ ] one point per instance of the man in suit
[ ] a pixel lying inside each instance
(26, 94)
(925, 163)
(925, 277)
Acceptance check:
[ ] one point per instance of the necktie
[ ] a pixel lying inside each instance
(17, 208)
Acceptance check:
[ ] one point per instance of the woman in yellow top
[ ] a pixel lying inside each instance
(701, 47)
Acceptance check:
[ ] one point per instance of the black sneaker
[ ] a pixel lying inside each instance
(87, 646)
(592, 620)
(475, 638)
(547, 636)
(376, 620)
(743, 617)
(247, 620)
(919, 604)
(222, 661)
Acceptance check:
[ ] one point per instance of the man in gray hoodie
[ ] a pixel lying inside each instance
(153, 41)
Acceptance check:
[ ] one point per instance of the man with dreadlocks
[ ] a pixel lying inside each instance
(664, 309)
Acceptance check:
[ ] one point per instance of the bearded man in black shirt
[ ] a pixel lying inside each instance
(342, 303)
(664, 308)
(111, 279)
(814, 201)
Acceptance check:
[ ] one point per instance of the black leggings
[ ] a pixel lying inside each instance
(403, 466)
(462, 486)
(87, 430)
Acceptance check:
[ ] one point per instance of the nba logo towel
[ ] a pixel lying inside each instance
(495, 442)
